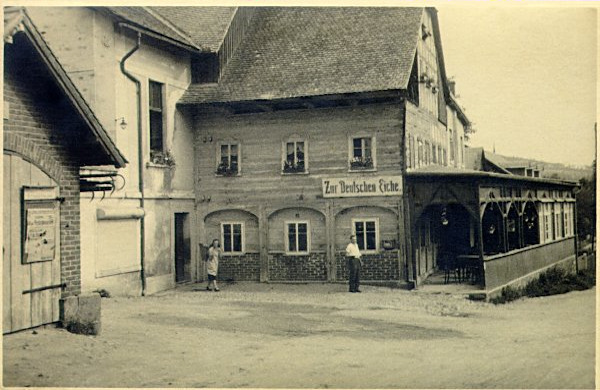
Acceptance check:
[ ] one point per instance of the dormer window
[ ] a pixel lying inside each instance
(425, 33)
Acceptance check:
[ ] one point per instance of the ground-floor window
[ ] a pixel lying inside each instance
(232, 234)
(297, 241)
(366, 234)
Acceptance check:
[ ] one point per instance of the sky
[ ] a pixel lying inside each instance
(527, 78)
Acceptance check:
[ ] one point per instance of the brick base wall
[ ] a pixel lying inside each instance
(380, 266)
(284, 267)
(240, 268)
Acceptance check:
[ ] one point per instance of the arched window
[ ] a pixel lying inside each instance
(513, 228)
(531, 233)
(493, 229)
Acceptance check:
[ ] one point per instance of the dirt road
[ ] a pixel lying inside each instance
(316, 336)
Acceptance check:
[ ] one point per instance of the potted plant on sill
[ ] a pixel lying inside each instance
(361, 163)
(165, 158)
(226, 170)
(290, 167)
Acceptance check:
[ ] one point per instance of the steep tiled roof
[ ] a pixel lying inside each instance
(293, 52)
(205, 26)
(145, 19)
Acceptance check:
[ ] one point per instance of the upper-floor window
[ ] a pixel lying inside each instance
(295, 157)
(298, 240)
(451, 144)
(156, 112)
(409, 151)
(419, 152)
(434, 157)
(362, 153)
(232, 237)
(366, 231)
(427, 153)
(228, 159)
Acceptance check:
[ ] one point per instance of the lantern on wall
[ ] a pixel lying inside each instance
(444, 217)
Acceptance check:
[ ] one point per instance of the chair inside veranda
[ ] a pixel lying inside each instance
(460, 268)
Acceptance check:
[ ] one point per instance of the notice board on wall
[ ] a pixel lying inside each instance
(40, 224)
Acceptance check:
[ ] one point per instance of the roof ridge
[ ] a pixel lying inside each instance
(233, 15)
(171, 25)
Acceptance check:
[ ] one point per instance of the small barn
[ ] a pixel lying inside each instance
(50, 133)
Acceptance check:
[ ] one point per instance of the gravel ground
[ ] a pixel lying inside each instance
(316, 336)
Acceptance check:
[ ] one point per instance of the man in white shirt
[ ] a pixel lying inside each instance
(354, 264)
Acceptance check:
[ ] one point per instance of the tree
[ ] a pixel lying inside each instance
(586, 206)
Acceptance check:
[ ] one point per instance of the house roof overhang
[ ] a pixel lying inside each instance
(16, 21)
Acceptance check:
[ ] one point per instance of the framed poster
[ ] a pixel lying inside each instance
(40, 224)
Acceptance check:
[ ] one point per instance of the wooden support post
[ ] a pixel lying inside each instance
(330, 239)
(410, 259)
(480, 236)
(263, 227)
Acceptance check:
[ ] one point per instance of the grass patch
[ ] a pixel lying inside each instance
(552, 282)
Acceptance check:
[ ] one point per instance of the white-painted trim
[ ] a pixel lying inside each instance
(222, 235)
(218, 155)
(286, 241)
(377, 234)
(295, 139)
(362, 134)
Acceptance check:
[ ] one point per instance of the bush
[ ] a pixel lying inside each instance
(552, 282)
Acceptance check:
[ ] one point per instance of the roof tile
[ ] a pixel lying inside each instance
(303, 51)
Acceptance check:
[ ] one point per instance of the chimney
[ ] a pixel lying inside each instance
(452, 86)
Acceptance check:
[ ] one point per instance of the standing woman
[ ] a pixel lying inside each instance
(212, 263)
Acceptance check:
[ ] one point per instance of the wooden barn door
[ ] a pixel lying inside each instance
(31, 251)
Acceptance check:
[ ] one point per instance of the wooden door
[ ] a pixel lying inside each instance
(182, 248)
(29, 297)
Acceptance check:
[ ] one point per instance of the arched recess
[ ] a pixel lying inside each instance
(513, 228)
(384, 219)
(214, 221)
(280, 218)
(493, 229)
(531, 230)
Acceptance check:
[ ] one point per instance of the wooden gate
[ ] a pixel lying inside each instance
(31, 252)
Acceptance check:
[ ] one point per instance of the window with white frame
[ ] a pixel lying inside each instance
(295, 158)
(297, 237)
(558, 220)
(232, 237)
(367, 234)
(548, 222)
(362, 153)
(228, 159)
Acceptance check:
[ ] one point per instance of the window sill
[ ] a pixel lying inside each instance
(294, 173)
(350, 170)
(231, 254)
(236, 175)
(297, 253)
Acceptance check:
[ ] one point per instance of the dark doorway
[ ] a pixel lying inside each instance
(182, 248)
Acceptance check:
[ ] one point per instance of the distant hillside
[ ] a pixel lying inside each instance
(549, 170)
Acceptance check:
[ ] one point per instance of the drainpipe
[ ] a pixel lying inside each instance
(140, 153)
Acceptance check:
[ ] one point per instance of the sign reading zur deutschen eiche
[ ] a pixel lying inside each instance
(365, 186)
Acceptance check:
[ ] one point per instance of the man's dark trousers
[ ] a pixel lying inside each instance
(354, 268)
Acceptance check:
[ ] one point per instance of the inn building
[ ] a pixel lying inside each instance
(281, 131)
